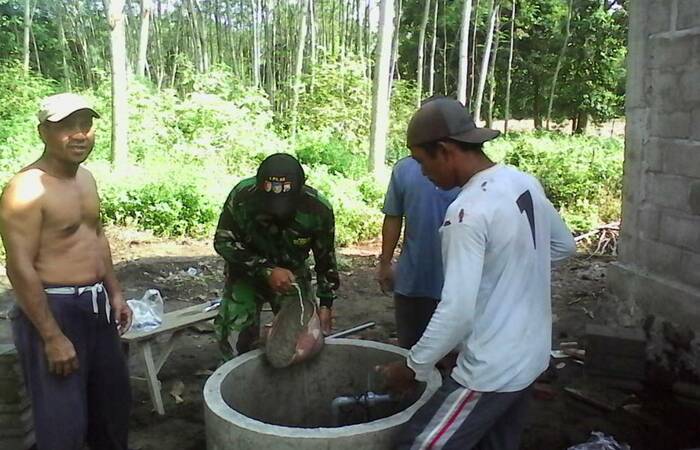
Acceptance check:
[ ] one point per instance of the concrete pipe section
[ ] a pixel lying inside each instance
(249, 405)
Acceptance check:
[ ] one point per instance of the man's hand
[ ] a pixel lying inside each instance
(280, 280)
(325, 315)
(385, 276)
(61, 355)
(399, 379)
(122, 314)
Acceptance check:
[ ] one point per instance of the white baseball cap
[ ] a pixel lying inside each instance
(57, 107)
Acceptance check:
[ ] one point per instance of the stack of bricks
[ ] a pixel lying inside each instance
(659, 252)
(16, 431)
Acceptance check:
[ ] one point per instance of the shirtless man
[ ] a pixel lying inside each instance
(71, 309)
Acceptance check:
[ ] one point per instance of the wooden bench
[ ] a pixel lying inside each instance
(174, 324)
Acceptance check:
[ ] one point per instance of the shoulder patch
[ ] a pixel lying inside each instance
(461, 215)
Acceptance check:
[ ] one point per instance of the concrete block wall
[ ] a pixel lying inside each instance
(16, 430)
(659, 263)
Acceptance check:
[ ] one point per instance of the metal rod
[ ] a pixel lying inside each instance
(352, 330)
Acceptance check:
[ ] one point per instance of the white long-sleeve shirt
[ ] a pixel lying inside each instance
(499, 238)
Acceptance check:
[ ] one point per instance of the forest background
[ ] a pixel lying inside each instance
(193, 94)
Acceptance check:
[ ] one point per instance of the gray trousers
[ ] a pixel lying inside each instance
(457, 418)
(90, 405)
(412, 317)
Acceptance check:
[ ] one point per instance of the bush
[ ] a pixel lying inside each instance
(355, 220)
(169, 209)
(328, 149)
(19, 101)
(339, 101)
(581, 175)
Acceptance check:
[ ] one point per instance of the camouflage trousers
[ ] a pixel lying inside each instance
(240, 312)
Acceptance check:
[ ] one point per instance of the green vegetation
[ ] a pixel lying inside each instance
(188, 151)
(214, 86)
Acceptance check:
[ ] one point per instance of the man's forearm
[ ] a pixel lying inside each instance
(391, 232)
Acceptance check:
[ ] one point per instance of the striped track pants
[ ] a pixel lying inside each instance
(459, 418)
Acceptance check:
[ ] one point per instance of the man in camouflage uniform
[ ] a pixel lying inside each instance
(267, 228)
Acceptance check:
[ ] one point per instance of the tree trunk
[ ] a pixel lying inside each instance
(299, 65)
(485, 60)
(36, 53)
(256, 43)
(472, 65)
(63, 42)
(395, 46)
(492, 69)
(359, 46)
(270, 50)
(219, 40)
(202, 36)
(196, 41)
(368, 40)
(27, 29)
(146, 8)
(509, 77)
(120, 112)
(444, 47)
(431, 65)
(381, 95)
(537, 104)
(312, 25)
(567, 35)
(581, 123)
(464, 52)
(421, 46)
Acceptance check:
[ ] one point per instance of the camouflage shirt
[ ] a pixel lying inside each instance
(252, 244)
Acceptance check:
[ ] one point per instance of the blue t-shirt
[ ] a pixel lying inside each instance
(413, 196)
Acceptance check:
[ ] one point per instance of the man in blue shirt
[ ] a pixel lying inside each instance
(418, 277)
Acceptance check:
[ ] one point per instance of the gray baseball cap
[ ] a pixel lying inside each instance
(445, 118)
(57, 107)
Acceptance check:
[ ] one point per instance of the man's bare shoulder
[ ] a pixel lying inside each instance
(24, 189)
(85, 176)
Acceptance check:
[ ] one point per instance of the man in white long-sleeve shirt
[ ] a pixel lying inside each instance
(499, 239)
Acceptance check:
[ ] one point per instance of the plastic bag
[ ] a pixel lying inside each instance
(600, 441)
(147, 311)
(296, 334)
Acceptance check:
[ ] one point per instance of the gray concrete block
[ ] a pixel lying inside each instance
(659, 258)
(680, 230)
(695, 124)
(670, 124)
(694, 198)
(636, 140)
(638, 38)
(656, 295)
(671, 50)
(688, 14)
(658, 17)
(678, 156)
(627, 246)
(665, 94)
(689, 86)
(649, 220)
(654, 157)
(669, 191)
(690, 269)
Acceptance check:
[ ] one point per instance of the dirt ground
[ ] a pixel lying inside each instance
(649, 419)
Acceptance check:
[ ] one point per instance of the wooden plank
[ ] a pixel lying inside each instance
(173, 321)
